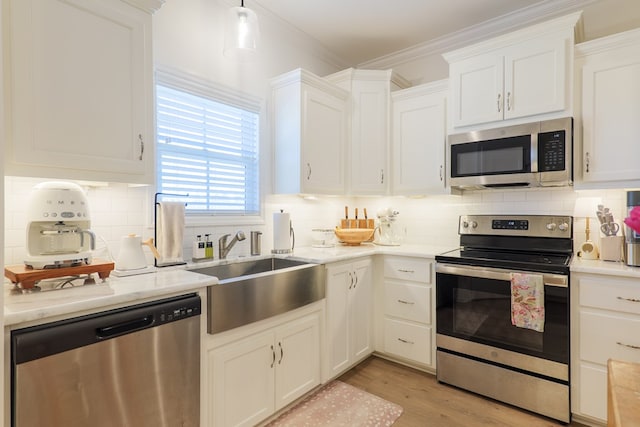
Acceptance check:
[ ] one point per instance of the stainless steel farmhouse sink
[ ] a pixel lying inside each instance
(253, 290)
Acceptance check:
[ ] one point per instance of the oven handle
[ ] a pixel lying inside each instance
(557, 280)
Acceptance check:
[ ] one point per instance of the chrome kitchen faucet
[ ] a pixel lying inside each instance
(224, 248)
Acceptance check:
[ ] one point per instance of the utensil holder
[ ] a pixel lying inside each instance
(611, 248)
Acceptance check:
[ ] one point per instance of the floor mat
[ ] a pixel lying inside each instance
(339, 404)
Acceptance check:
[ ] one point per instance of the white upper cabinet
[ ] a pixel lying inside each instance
(80, 90)
(476, 88)
(520, 74)
(608, 78)
(309, 124)
(368, 148)
(419, 140)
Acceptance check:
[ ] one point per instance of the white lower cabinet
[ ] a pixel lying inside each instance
(407, 316)
(408, 340)
(252, 377)
(349, 315)
(606, 325)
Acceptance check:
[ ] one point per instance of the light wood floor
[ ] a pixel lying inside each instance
(427, 403)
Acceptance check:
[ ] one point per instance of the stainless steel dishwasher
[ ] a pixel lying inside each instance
(136, 366)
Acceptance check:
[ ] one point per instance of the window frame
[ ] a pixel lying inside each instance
(197, 86)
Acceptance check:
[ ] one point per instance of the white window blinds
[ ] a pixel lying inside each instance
(207, 146)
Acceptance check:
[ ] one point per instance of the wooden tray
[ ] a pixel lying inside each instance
(27, 277)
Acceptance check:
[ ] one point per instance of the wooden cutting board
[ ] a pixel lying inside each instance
(27, 277)
(623, 393)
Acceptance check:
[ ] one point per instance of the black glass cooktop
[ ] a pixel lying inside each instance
(514, 260)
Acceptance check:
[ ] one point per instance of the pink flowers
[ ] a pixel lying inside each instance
(633, 221)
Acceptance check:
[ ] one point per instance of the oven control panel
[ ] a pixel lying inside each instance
(516, 225)
(510, 224)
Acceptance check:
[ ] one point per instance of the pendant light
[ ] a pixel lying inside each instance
(242, 33)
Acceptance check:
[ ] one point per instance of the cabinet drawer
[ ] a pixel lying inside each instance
(408, 301)
(415, 269)
(606, 336)
(408, 340)
(618, 295)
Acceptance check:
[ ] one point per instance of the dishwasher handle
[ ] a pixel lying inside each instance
(122, 328)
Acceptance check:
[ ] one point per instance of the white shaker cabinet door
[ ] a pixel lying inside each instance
(298, 359)
(339, 282)
(361, 311)
(243, 381)
(323, 142)
(309, 123)
(535, 78)
(81, 90)
(419, 140)
(610, 112)
(349, 315)
(476, 87)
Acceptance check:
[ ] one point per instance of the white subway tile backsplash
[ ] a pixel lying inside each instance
(120, 210)
(514, 196)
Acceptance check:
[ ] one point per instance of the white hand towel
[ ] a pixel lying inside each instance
(170, 232)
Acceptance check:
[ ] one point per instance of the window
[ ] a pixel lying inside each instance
(207, 146)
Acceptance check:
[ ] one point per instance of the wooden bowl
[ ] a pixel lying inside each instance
(354, 236)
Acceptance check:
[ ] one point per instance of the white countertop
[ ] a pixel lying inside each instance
(609, 268)
(345, 253)
(21, 308)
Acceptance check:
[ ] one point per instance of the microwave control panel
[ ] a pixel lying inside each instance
(551, 151)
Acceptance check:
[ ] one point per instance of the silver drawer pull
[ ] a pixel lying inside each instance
(406, 271)
(629, 299)
(406, 302)
(635, 347)
(405, 341)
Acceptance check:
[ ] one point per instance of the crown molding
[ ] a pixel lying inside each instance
(630, 38)
(300, 75)
(150, 6)
(488, 29)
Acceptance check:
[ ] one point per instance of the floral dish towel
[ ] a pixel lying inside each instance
(527, 301)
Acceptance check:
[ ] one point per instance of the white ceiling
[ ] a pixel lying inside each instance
(362, 30)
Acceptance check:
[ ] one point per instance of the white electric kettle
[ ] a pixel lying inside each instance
(131, 255)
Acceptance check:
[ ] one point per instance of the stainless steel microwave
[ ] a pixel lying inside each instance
(529, 155)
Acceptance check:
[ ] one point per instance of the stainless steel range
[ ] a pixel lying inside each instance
(502, 311)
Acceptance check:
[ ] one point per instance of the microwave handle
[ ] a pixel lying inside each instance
(534, 152)
(558, 280)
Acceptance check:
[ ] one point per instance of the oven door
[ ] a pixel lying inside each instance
(473, 317)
